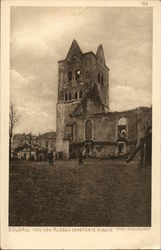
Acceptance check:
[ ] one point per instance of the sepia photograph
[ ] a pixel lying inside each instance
(80, 118)
(80, 136)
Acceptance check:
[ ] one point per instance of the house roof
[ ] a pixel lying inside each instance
(48, 135)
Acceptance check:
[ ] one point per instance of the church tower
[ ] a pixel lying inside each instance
(78, 73)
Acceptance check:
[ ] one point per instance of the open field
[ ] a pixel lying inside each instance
(102, 193)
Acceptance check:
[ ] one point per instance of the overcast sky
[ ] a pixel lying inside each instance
(40, 36)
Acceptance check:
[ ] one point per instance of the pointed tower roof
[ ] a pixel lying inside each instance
(100, 54)
(74, 50)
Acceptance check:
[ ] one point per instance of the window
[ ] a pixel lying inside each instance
(122, 136)
(88, 130)
(122, 127)
(80, 94)
(76, 95)
(66, 97)
(99, 77)
(70, 96)
(69, 76)
(122, 121)
(102, 81)
(77, 75)
(46, 144)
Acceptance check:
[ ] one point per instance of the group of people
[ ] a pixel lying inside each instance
(80, 157)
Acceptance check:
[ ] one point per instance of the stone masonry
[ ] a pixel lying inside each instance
(84, 119)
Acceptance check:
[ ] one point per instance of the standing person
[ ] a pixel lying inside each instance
(80, 157)
(51, 158)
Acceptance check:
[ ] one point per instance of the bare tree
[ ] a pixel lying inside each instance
(13, 119)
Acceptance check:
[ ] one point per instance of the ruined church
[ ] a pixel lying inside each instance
(83, 114)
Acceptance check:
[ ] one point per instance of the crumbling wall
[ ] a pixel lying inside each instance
(144, 121)
(105, 130)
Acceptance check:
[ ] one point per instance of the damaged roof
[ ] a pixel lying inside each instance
(92, 94)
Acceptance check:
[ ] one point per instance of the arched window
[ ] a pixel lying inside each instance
(77, 74)
(102, 81)
(122, 136)
(122, 121)
(88, 130)
(70, 96)
(99, 77)
(122, 128)
(80, 94)
(69, 76)
(66, 97)
(76, 95)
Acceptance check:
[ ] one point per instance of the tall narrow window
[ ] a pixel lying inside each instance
(70, 96)
(102, 81)
(69, 76)
(66, 97)
(76, 95)
(122, 136)
(122, 128)
(80, 94)
(77, 75)
(47, 144)
(99, 77)
(88, 130)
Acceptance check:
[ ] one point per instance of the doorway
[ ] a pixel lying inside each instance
(121, 148)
